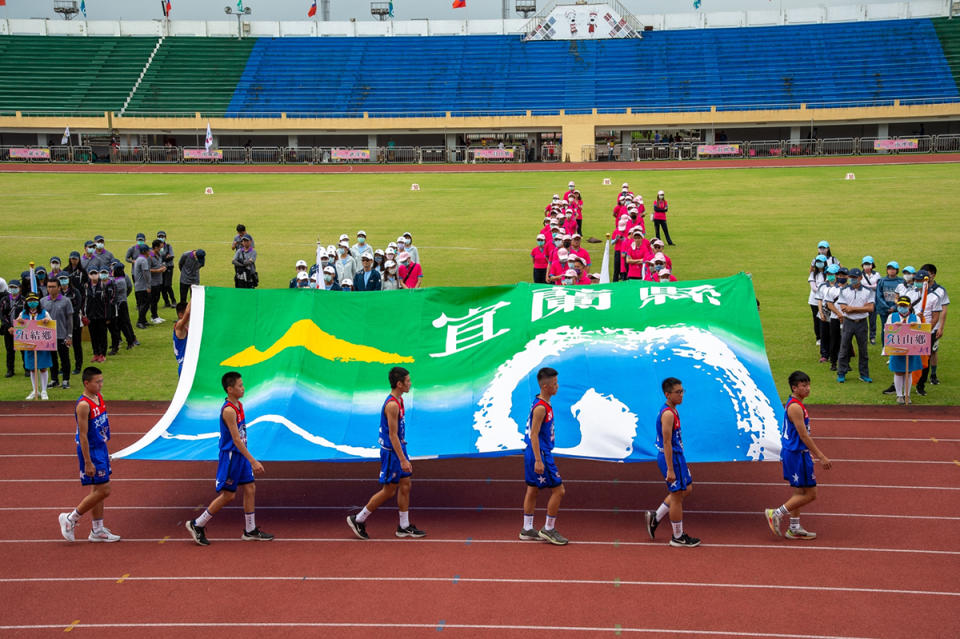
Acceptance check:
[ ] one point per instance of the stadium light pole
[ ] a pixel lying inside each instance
(244, 12)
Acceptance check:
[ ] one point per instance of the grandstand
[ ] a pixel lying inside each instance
(695, 79)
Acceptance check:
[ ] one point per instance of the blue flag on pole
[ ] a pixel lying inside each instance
(83, 8)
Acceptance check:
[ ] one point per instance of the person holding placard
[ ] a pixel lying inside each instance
(903, 365)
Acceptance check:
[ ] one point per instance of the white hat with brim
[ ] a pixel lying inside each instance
(346, 282)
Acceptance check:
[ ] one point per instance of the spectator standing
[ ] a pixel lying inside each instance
(346, 266)
(330, 279)
(938, 328)
(88, 259)
(660, 208)
(156, 280)
(928, 310)
(830, 302)
(411, 249)
(60, 309)
(368, 279)
(103, 258)
(411, 273)
(361, 248)
(245, 265)
(121, 324)
(579, 250)
(6, 322)
(141, 285)
(167, 256)
(816, 278)
(541, 259)
(886, 298)
(870, 281)
(638, 253)
(301, 267)
(190, 264)
(37, 362)
(390, 280)
(75, 295)
(134, 251)
(378, 261)
(823, 248)
(854, 303)
(238, 238)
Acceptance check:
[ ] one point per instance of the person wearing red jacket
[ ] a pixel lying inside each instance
(541, 259)
(660, 217)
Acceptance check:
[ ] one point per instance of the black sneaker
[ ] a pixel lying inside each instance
(10, 374)
(358, 527)
(65, 385)
(199, 533)
(410, 531)
(934, 380)
(890, 390)
(921, 391)
(142, 326)
(873, 340)
(684, 541)
(652, 523)
(256, 535)
(114, 350)
(129, 346)
(76, 371)
(833, 367)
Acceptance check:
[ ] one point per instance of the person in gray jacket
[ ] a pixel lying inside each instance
(141, 285)
(157, 269)
(190, 264)
(121, 324)
(60, 309)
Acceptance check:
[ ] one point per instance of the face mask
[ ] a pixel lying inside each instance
(54, 266)
(841, 280)
(918, 285)
(854, 282)
(566, 243)
(361, 241)
(99, 245)
(903, 310)
(377, 259)
(328, 278)
(342, 251)
(14, 290)
(657, 267)
(393, 271)
(823, 251)
(90, 249)
(908, 277)
(568, 280)
(558, 243)
(540, 242)
(820, 265)
(64, 283)
(141, 243)
(33, 305)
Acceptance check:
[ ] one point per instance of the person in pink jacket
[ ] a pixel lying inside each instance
(667, 276)
(558, 266)
(576, 249)
(411, 273)
(638, 252)
(541, 259)
(656, 244)
(616, 240)
(660, 217)
(569, 222)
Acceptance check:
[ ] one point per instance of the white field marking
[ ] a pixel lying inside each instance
(748, 513)
(368, 480)
(890, 439)
(500, 580)
(883, 419)
(773, 545)
(434, 626)
(133, 194)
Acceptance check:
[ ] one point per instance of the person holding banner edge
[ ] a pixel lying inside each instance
(902, 366)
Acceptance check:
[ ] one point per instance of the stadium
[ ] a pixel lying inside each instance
(246, 139)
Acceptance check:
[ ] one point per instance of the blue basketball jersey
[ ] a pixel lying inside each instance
(179, 350)
(676, 441)
(789, 438)
(226, 439)
(97, 428)
(385, 425)
(547, 434)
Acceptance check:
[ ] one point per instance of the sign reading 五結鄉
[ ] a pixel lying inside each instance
(34, 335)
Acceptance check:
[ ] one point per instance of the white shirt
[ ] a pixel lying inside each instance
(830, 294)
(934, 305)
(870, 281)
(815, 279)
(850, 296)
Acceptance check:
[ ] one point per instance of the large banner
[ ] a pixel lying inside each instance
(315, 364)
(583, 21)
(350, 154)
(896, 145)
(493, 154)
(718, 149)
(30, 154)
(202, 154)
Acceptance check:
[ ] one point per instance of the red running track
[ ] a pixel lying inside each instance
(885, 563)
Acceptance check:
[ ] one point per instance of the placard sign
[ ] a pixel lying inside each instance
(350, 154)
(493, 154)
(30, 154)
(903, 338)
(718, 149)
(202, 154)
(29, 335)
(895, 145)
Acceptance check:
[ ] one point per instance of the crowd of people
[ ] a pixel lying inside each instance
(846, 302)
(560, 257)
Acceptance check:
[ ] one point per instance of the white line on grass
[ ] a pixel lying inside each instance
(133, 194)
(773, 545)
(429, 626)
(501, 580)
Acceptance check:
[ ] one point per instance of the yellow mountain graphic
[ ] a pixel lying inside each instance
(306, 334)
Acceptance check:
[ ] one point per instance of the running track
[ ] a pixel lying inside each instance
(885, 564)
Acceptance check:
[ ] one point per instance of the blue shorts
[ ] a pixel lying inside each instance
(233, 470)
(798, 468)
(101, 465)
(390, 471)
(550, 476)
(684, 479)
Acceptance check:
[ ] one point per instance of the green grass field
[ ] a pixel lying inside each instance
(478, 229)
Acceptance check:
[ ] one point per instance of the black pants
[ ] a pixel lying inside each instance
(580, 226)
(657, 225)
(184, 291)
(925, 375)
(98, 336)
(834, 341)
(77, 343)
(60, 361)
(825, 342)
(11, 354)
(155, 291)
(121, 324)
(816, 321)
(854, 329)
(167, 289)
(539, 276)
(143, 304)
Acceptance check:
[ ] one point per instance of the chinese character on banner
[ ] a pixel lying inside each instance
(660, 294)
(546, 302)
(473, 329)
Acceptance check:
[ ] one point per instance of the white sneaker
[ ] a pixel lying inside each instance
(32, 395)
(158, 320)
(103, 536)
(43, 395)
(66, 526)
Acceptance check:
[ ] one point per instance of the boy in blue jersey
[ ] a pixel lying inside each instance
(797, 454)
(180, 330)
(235, 467)
(395, 466)
(93, 433)
(540, 471)
(673, 465)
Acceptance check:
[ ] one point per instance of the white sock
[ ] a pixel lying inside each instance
(898, 384)
(362, 517)
(662, 511)
(33, 381)
(794, 523)
(204, 518)
(74, 516)
(250, 521)
(404, 518)
(677, 529)
(551, 522)
(907, 384)
(97, 525)
(527, 521)
(782, 511)
(44, 378)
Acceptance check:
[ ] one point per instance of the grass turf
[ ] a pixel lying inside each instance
(478, 229)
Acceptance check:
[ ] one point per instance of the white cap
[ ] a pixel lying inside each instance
(331, 249)
(625, 185)
(556, 196)
(366, 256)
(575, 236)
(570, 273)
(636, 230)
(344, 244)
(301, 263)
(404, 256)
(664, 272)
(566, 237)
(407, 234)
(389, 264)
(570, 184)
(638, 198)
(659, 192)
(378, 252)
(389, 251)
(659, 258)
(401, 239)
(624, 217)
(344, 237)
(572, 257)
(392, 245)
(562, 254)
(540, 236)
(330, 270)
(322, 255)
(622, 225)
(655, 241)
(346, 282)
(363, 233)
(302, 275)
(582, 259)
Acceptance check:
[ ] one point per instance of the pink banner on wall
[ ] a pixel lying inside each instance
(718, 149)
(30, 154)
(31, 335)
(894, 145)
(493, 154)
(350, 154)
(202, 154)
(906, 339)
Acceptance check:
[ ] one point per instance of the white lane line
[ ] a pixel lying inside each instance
(666, 632)
(114, 433)
(882, 419)
(501, 580)
(477, 480)
(346, 508)
(891, 439)
(433, 540)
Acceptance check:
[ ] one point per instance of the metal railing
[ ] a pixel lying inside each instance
(838, 146)
(551, 153)
(947, 143)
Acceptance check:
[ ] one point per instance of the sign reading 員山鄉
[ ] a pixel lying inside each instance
(902, 338)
